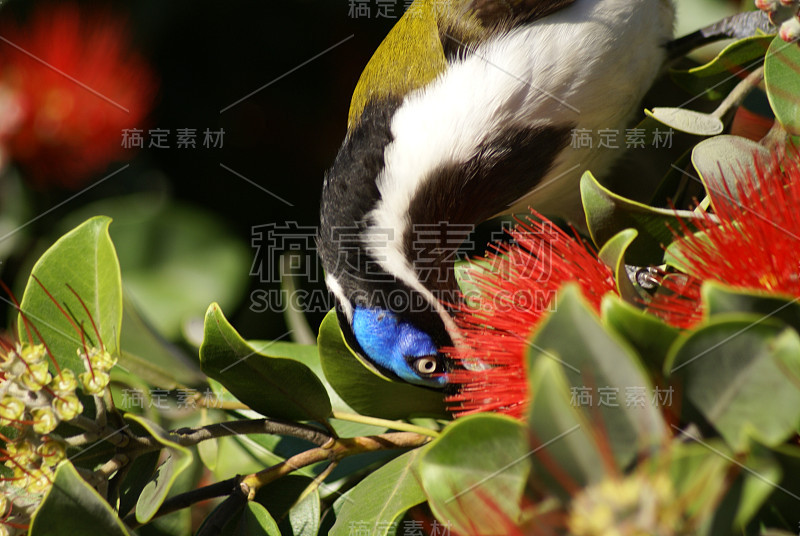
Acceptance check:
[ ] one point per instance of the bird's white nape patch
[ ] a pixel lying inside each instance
(337, 290)
(573, 68)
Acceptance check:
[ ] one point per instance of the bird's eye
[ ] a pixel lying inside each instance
(426, 365)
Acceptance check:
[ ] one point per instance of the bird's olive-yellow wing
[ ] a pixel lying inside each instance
(431, 32)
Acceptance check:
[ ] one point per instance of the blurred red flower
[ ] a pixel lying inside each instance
(751, 241)
(514, 294)
(69, 85)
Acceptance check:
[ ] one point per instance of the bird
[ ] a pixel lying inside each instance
(465, 112)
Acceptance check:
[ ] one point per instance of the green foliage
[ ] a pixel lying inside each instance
(73, 507)
(85, 261)
(274, 386)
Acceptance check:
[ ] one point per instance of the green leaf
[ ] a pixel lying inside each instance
(613, 255)
(140, 473)
(363, 388)
(280, 499)
(608, 213)
(176, 460)
(719, 299)
(309, 356)
(84, 259)
(729, 365)
(699, 474)
(593, 358)
(718, 77)
(648, 335)
(379, 501)
(782, 76)
(254, 520)
(474, 474)
(73, 507)
(273, 386)
(755, 485)
(689, 121)
(722, 161)
(566, 455)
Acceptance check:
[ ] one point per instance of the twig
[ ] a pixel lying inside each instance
(241, 489)
(184, 500)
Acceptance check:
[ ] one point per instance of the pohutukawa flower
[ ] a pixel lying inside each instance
(514, 295)
(751, 242)
(72, 84)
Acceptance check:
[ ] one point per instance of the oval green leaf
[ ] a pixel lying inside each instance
(718, 77)
(73, 507)
(280, 498)
(475, 473)
(176, 461)
(254, 520)
(84, 259)
(363, 389)
(613, 255)
(740, 373)
(273, 386)
(648, 335)
(565, 454)
(782, 77)
(608, 213)
(722, 161)
(376, 505)
(593, 358)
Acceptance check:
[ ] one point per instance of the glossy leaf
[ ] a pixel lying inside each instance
(565, 454)
(73, 507)
(273, 386)
(608, 213)
(379, 501)
(717, 78)
(648, 335)
(729, 365)
(723, 160)
(720, 299)
(474, 474)
(279, 498)
(140, 473)
(698, 472)
(363, 389)
(253, 520)
(689, 121)
(782, 76)
(176, 461)
(613, 255)
(85, 260)
(593, 358)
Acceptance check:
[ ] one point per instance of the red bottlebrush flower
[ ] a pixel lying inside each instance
(514, 295)
(752, 241)
(72, 85)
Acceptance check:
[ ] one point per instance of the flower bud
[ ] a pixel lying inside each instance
(94, 383)
(36, 376)
(11, 409)
(45, 420)
(67, 407)
(65, 382)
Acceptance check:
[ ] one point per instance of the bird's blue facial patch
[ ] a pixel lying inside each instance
(397, 345)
